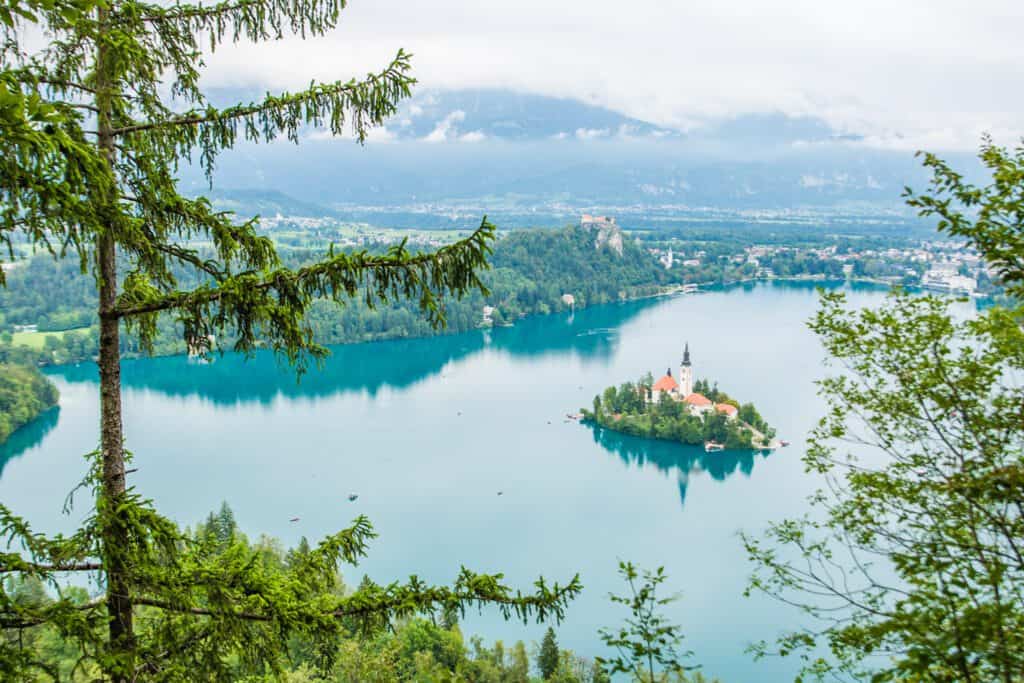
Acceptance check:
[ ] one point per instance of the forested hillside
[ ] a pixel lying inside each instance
(531, 271)
(24, 393)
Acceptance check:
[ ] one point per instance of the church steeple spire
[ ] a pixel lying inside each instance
(686, 373)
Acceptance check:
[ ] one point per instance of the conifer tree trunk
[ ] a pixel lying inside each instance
(112, 489)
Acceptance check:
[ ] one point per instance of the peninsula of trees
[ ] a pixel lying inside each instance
(24, 394)
(687, 411)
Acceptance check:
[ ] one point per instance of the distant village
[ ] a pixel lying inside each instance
(949, 267)
(944, 266)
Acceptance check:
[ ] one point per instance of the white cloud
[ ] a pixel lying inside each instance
(592, 133)
(937, 71)
(473, 136)
(808, 180)
(445, 127)
(373, 135)
(380, 134)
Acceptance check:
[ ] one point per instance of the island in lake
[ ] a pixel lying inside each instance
(685, 410)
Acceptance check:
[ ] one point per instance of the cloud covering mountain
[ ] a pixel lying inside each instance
(495, 150)
(904, 74)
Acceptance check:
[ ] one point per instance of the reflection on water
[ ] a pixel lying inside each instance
(28, 436)
(676, 458)
(231, 378)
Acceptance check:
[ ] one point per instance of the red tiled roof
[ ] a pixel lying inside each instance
(726, 408)
(696, 399)
(666, 383)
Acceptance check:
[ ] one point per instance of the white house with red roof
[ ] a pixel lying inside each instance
(728, 409)
(698, 403)
(666, 385)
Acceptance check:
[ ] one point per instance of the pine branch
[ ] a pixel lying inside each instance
(340, 272)
(47, 568)
(24, 76)
(370, 102)
(48, 614)
(200, 611)
(414, 597)
(173, 215)
(181, 12)
(253, 20)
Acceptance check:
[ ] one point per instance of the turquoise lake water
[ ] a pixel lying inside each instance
(428, 431)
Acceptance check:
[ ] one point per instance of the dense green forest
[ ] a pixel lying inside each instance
(627, 409)
(530, 272)
(24, 393)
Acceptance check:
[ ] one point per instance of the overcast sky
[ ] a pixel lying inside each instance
(905, 73)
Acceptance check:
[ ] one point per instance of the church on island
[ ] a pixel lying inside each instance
(682, 390)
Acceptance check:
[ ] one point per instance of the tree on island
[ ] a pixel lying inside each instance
(627, 409)
(90, 146)
(913, 565)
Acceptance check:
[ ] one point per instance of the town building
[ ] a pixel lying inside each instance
(668, 259)
(948, 280)
(588, 221)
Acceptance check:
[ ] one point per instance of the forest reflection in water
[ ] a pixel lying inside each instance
(683, 461)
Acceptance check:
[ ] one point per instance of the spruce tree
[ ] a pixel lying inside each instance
(94, 126)
(226, 525)
(547, 658)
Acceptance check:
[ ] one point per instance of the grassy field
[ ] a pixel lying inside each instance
(35, 340)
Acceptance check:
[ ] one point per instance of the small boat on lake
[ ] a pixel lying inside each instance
(712, 446)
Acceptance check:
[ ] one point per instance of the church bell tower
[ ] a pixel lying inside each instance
(685, 374)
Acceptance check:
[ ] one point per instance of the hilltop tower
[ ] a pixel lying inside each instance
(685, 374)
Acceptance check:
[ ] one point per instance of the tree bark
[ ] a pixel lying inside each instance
(114, 534)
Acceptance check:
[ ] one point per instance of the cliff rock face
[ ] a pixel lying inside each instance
(610, 235)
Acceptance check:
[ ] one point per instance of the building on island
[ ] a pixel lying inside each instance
(686, 373)
(682, 390)
(698, 403)
(728, 409)
(666, 385)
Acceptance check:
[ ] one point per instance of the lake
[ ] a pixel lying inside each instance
(428, 431)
